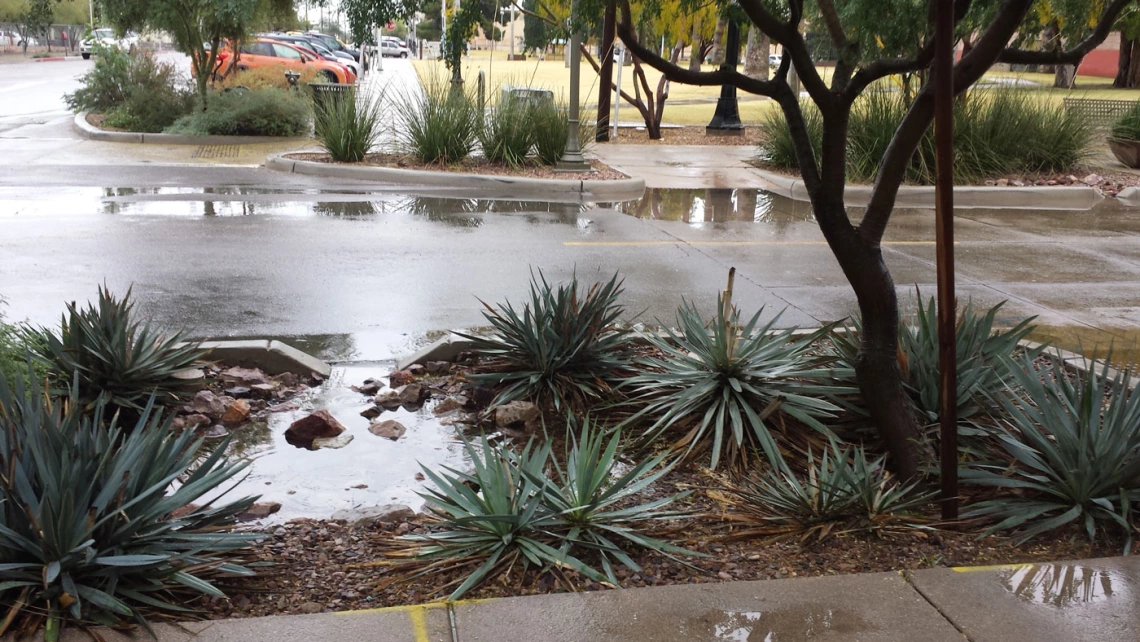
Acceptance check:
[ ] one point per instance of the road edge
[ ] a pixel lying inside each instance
(91, 132)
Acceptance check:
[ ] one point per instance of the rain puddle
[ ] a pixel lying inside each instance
(368, 471)
(697, 207)
(786, 625)
(1062, 585)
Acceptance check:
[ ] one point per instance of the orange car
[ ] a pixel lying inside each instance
(263, 51)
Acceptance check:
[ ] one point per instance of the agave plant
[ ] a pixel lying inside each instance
(563, 347)
(732, 379)
(510, 510)
(844, 492)
(120, 361)
(1073, 441)
(979, 348)
(97, 524)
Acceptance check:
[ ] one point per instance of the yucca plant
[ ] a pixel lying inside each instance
(1073, 443)
(510, 510)
(844, 492)
(121, 362)
(550, 121)
(346, 126)
(438, 124)
(98, 525)
(979, 348)
(732, 380)
(563, 347)
(506, 135)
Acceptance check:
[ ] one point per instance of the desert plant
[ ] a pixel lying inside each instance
(521, 514)
(730, 379)
(507, 133)
(564, 347)
(550, 122)
(844, 492)
(979, 348)
(268, 77)
(440, 123)
(266, 112)
(105, 86)
(1127, 127)
(1073, 445)
(98, 524)
(347, 127)
(119, 360)
(135, 92)
(777, 147)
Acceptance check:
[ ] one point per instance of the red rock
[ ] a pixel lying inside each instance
(236, 413)
(319, 425)
(388, 429)
(209, 404)
(244, 376)
(400, 378)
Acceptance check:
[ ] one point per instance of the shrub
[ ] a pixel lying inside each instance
(1127, 127)
(731, 379)
(550, 123)
(564, 347)
(979, 348)
(522, 514)
(266, 112)
(440, 123)
(996, 132)
(98, 525)
(13, 355)
(135, 92)
(267, 77)
(347, 127)
(118, 360)
(507, 133)
(1073, 441)
(843, 493)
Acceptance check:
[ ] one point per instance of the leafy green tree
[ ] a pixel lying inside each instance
(875, 39)
(365, 15)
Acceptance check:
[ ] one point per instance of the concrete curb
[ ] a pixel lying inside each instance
(1060, 197)
(272, 357)
(91, 132)
(57, 58)
(617, 190)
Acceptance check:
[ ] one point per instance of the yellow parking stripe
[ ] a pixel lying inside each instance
(995, 567)
(419, 625)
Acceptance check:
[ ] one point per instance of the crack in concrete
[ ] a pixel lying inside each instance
(907, 577)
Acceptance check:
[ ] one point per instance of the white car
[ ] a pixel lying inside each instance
(106, 38)
(13, 39)
(390, 49)
(773, 60)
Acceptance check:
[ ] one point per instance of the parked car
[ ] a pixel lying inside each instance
(105, 37)
(264, 51)
(334, 44)
(773, 60)
(13, 39)
(316, 47)
(390, 49)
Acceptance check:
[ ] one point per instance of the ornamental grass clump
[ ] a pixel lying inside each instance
(564, 347)
(119, 360)
(511, 511)
(439, 124)
(1072, 447)
(348, 126)
(507, 133)
(107, 524)
(1127, 127)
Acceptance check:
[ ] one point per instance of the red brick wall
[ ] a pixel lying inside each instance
(1102, 60)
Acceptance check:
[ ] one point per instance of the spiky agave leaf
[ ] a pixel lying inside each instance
(87, 512)
(733, 378)
(1073, 443)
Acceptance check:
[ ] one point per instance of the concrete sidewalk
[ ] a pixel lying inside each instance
(1090, 600)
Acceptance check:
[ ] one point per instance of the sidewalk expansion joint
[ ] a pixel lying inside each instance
(451, 622)
(907, 577)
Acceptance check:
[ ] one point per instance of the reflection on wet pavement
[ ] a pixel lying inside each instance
(1062, 585)
(797, 624)
(717, 206)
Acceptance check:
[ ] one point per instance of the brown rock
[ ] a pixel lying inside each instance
(388, 398)
(212, 432)
(389, 429)
(244, 376)
(236, 413)
(371, 412)
(178, 424)
(1092, 179)
(287, 379)
(309, 608)
(196, 419)
(209, 404)
(438, 367)
(516, 412)
(262, 390)
(400, 378)
(370, 387)
(449, 404)
(417, 369)
(237, 392)
(412, 394)
(259, 511)
(318, 425)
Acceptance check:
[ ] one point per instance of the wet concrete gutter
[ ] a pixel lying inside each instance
(91, 132)
(616, 190)
(1059, 197)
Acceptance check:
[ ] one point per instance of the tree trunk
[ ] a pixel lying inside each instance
(1124, 61)
(756, 54)
(717, 55)
(1134, 66)
(1064, 76)
(695, 48)
(606, 75)
(1052, 41)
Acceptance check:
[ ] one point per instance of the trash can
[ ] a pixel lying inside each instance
(326, 92)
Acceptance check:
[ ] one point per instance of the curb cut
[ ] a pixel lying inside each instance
(1058, 197)
(272, 357)
(617, 190)
(91, 132)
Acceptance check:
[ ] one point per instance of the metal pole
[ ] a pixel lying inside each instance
(726, 118)
(572, 160)
(617, 89)
(944, 241)
(91, 10)
(512, 32)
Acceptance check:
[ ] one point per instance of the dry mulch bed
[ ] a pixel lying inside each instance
(689, 135)
(600, 171)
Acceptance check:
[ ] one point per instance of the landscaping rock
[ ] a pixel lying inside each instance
(263, 390)
(236, 413)
(194, 420)
(438, 367)
(332, 443)
(417, 369)
(238, 392)
(371, 412)
(259, 511)
(412, 394)
(213, 432)
(389, 429)
(482, 395)
(287, 379)
(209, 404)
(388, 398)
(370, 387)
(310, 608)
(190, 378)
(1092, 179)
(244, 376)
(400, 378)
(319, 425)
(449, 404)
(386, 514)
(516, 412)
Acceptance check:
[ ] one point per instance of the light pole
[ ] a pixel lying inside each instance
(726, 119)
(510, 9)
(572, 160)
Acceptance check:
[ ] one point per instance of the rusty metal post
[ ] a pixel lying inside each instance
(944, 241)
